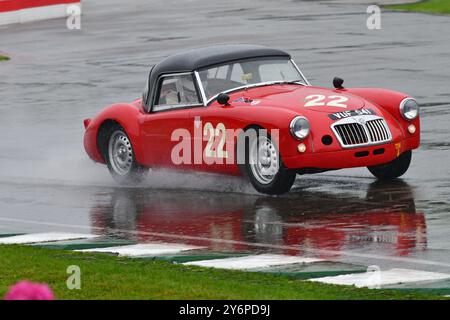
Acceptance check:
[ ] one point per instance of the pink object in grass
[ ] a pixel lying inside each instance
(25, 290)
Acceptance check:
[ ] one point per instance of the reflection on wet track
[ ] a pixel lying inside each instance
(385, 220)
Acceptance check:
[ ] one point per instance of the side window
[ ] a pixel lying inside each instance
(238, 75)
(218, 72)
(176, 91)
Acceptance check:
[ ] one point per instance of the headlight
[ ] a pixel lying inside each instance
(300, 127)
(409, 108)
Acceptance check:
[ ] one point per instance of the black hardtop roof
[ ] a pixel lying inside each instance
(199, 58)
(207, 56)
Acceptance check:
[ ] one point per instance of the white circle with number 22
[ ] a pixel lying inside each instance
(319, 100)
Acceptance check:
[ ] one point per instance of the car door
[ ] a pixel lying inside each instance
(166, 127)
(213, 139)
(214, 129)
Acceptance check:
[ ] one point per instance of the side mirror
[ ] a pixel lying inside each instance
(223, 99)
(338, 82)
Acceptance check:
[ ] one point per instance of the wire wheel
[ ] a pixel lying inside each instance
(120, 153)
(263, 160)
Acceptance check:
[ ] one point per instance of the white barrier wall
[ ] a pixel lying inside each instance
(22, 11)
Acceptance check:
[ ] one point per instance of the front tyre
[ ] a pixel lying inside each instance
(264, 168)
(393, 169)
(120, 158)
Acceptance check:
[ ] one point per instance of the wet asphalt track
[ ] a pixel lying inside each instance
(57, 77)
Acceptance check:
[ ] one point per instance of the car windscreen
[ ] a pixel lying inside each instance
(242, 73)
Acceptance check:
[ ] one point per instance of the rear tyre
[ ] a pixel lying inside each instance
(264, 168)
(393, 169)
(119, 156)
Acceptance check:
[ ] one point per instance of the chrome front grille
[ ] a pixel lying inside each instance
(378, 130)
(361, 131)
(352, 133)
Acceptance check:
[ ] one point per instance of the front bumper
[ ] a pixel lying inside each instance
(352, 158)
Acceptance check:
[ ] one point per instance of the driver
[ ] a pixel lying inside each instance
(169, 94)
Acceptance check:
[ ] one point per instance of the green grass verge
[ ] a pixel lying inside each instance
(108, 277)
(4, 58)
(427, 6)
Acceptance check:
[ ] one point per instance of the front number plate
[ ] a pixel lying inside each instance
(351, 113)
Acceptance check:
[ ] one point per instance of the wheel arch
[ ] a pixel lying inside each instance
(102, 135)
(255, 126)
(245, 129)
(124, 115)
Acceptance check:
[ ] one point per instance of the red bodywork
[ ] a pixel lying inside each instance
(270, 107)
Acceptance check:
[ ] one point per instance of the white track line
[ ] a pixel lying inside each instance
(251, 262)
(44, 237)
(382, 278)
(145, 249)
(313, 251)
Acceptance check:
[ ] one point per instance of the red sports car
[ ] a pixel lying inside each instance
(248, 110)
